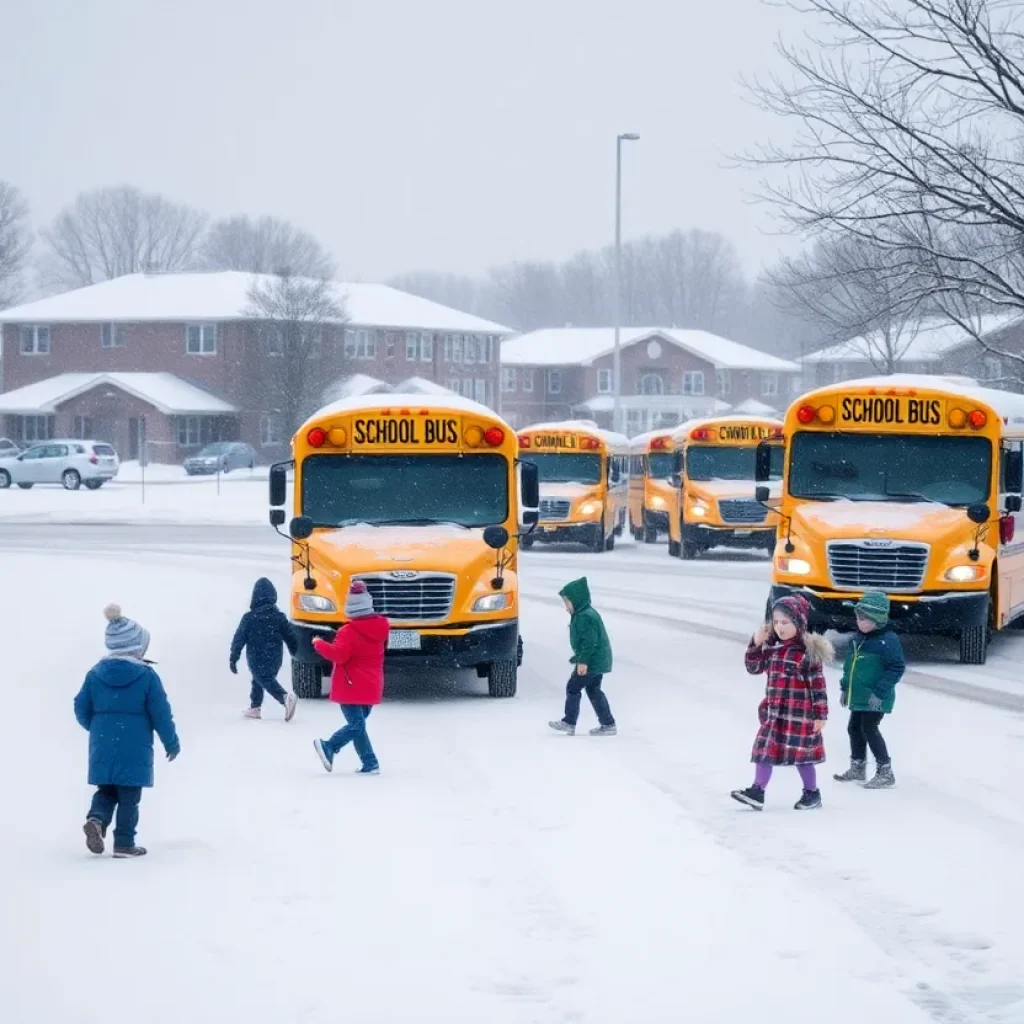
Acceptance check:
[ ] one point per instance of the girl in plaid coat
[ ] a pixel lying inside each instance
(795, 704)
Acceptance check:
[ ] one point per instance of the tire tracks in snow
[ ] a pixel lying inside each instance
(935, 684)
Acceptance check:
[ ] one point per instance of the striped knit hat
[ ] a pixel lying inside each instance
(359, 603)
(124, 636)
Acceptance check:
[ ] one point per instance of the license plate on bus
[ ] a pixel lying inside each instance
(403, 640)
(742, 533)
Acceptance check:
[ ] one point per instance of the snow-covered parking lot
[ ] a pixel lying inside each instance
(494, 871)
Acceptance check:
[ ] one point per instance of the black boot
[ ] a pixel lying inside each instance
(810, 800)
(752, 797)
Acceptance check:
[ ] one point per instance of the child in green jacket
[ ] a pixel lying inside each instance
(874, 665)
(592, 656)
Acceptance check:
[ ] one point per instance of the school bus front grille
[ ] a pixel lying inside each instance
(554, 508)
(742, 510)
(425, 597)
(896, 567)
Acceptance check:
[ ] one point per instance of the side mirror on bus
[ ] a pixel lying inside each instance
(762, 494)
(279, 484)
(529, 483)
(496, 537)
(277, 517)
(1013, 503)
(301, 528)
(676, 480)
(763, 463)
(979, 513)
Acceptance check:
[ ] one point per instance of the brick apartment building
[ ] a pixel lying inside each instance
(929, 347)
(668, 376)
(180, 352)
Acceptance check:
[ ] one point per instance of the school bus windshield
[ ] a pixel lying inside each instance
(659, 465)
(890, 467)
(566, 467)
(342, 490)
(712, 462)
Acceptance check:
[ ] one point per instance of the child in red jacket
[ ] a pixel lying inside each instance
(357, 680)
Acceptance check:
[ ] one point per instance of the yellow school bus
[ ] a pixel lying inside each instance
(714, 502)
(584, 482)
(911, 485)
(650, 484)
(421, 497)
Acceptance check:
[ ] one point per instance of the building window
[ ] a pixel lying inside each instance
(723, 382)
(508, 378)
(769, 384)
(992, 368)
(83, 428)
(527, 377)
(480, 390)
(651, 384)
(419, 346)
(194, 430)
(693, 383)
(426, 348)
(360, 344)
(390, 344)
(274, 339)
(271, 429)
(469, 350)
(111, 336)
(635, 423)
(412, 345)
(201, 339)
(554, 382)
(35, 340)
(453, 384)
(604, 382)
(36, 428)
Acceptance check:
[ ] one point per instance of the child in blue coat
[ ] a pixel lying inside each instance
(263, 634)
(121, 703)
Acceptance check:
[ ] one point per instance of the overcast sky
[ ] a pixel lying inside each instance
(429, 134)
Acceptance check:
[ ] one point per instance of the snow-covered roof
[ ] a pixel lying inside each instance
(168, 394)
(1006, 404)
(363, 384)
(660, 403)
(392, 399)
(752, 407)
(642, 440)
(921, 341)
(580, 346)
(224, 295)
(579, 427)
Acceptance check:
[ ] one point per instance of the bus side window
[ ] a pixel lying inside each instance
(1011, 468)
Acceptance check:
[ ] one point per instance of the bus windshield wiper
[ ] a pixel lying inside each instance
(909, 496)
(418, 522)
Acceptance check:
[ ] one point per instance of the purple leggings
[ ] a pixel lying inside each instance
(808, 776)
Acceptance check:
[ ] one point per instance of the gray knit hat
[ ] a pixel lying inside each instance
(124, 636)
(359, 603)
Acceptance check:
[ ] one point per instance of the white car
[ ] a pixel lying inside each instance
(71, 463)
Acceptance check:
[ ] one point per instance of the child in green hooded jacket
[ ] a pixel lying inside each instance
(874, 665)
(592, 656)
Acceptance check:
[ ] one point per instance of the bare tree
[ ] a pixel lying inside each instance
(298, 320)
(110, 232)
(265, 246)
(909, 116)
(855, 293)
(15, 243)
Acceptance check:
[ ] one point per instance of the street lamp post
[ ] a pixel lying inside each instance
(617, 358)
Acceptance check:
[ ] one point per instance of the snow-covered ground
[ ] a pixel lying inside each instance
(494, 871)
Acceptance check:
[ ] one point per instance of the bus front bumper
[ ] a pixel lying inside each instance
(933, 613)
(760, 537)
(568, 533)
(481, 644)
(656, 520)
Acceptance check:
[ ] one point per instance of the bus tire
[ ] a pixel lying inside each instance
(689, 551)
(673, 548)
(597, 544)
(307, 680)
(650, 533)
(519, 651)
(974, 645)
(501, 679)
(609, 544)
(526, 543)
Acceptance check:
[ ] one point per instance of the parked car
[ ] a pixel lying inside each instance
(221, 457)
(9, 447)
(71, 463)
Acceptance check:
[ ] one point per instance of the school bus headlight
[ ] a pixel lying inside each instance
(826, 414)
(657, 501)
(474, 437)
(590, 508)
(490, 603)
(337, 436)
(316, 603)
(793, 566)
(699, 508)
(964, 573)
(957, 419)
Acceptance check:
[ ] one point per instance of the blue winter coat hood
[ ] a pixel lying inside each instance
(119, 672)
(264, 592)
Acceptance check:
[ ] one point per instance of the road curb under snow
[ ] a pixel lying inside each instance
(936, 684)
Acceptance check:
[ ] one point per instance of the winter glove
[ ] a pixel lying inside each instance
(171, 757)
(874, 703)
(234, 668)
(843, 698)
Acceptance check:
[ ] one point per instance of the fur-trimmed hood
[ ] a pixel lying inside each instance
(819, 648)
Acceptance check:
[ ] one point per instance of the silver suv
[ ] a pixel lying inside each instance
(71, 463)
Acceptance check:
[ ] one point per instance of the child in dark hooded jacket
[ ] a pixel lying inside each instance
(263, 633)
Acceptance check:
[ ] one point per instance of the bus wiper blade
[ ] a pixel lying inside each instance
(908, 496)
(418, 522)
